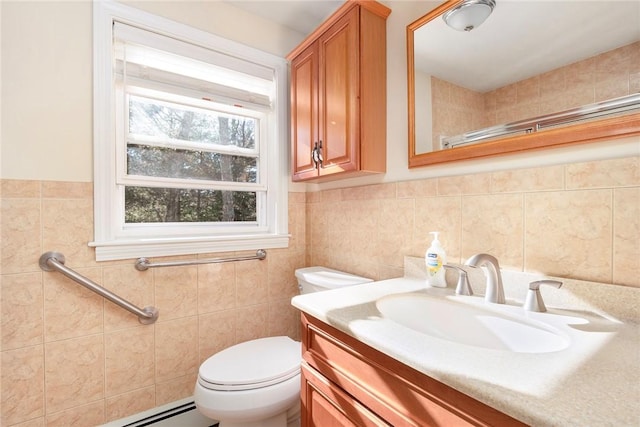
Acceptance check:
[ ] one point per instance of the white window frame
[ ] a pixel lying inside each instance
(112, 240)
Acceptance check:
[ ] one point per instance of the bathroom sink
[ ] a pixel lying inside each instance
(471, 324)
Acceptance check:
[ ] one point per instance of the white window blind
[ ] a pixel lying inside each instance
(148, 67)
(159, 61)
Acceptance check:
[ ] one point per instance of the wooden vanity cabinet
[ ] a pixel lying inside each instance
(338, 95)
(347, 383)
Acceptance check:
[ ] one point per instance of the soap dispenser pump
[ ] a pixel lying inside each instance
(436, 258)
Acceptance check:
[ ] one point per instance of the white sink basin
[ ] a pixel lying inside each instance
(471, 324)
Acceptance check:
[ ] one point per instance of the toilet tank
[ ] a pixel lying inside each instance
(315, 279)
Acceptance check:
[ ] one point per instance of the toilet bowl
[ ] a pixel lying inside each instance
(257, 383)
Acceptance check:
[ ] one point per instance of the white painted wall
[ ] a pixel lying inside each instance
(47, 129)
(46, 108)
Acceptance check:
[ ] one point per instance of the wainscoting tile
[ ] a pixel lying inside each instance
(74, 372)
(626, 229)
(129, 361)
(568, 234)
(91, 414)
(176, 348)
(22, 384)
(22, 306)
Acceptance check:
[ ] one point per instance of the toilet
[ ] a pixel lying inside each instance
(257, 383)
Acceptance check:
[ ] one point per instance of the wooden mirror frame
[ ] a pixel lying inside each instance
(589, 131)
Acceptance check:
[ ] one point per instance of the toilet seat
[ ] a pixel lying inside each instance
(251, 365)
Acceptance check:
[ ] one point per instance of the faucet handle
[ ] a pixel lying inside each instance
(534, 300)
(463, 286)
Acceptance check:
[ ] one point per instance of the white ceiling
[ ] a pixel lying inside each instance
(520, 39)
(524, 38)
(299, 15)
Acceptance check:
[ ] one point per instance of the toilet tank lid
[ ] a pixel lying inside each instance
(329, 278)
(253, 362)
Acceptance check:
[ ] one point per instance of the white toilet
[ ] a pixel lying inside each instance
(257, 383)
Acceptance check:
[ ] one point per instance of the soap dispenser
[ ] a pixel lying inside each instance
(435, 258)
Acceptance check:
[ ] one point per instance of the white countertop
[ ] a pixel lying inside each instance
(593, 382)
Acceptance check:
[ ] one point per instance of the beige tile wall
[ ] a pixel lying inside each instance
(70, 358)
(577, 221)
(609, 75)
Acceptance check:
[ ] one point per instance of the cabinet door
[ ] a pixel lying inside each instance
(338, 96)
(326, 405)
(304, 112)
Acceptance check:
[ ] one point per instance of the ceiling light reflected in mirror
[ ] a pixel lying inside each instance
(469, 15)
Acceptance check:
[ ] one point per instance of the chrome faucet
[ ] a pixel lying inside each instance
(495, 291)
(463, 287)
(534, 300)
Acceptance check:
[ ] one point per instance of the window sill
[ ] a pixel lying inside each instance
(117, 250)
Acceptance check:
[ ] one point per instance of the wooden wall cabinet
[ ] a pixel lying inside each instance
(347, 383)
(338, 95)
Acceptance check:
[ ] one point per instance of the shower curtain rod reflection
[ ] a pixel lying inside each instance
(143, 264)
(50, 261)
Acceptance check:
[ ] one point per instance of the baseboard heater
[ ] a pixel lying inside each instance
(182, 414)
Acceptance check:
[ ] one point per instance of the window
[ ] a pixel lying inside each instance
(189, 140)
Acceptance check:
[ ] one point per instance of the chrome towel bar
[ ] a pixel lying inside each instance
(50, 261)
(143, 264)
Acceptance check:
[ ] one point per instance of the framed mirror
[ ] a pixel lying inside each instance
(533, 75)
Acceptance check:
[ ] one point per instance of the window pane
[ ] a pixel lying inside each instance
(143, 204)
(165, 120)
(188, 164)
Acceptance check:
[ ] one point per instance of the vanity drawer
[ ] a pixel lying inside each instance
(395, 392)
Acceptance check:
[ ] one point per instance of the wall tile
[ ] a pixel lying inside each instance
(418, 188)
(494, 224)
(71, 310)
(568, 234)
(297, 226)
(281, 279)
(442, 214)
(36, 422)
(370, 192)
(284, 319)
(328, 196)
(175, 389)
(394, 234)
(130, 403)
(135, 286)
(176, 348)
(342, 229)
(21, 235)
(252, 322)
(533, 179)
(22, 306)
(20, 189)
(216, 331)
(251, 282)
(358, 243)
(97, 354)
(129, 361)
(626, 236)
(67, 226)
(216, 286)
(464, 184)
(67, 190)
(74, 372)
(315, 197)
(603, 173)
(22, 384)
(176, 291)
(91, 414)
